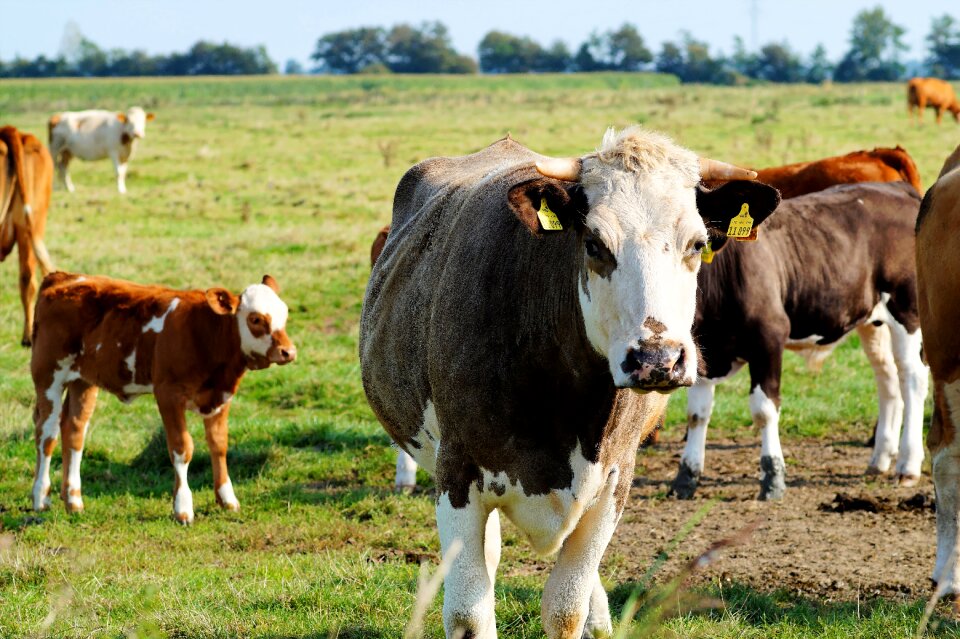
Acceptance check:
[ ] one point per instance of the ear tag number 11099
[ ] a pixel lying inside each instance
(742, 224)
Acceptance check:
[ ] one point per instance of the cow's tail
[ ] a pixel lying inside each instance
(899, 160)
(15, 143)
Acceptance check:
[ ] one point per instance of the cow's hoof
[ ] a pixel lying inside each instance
(404, 489)
(873, 471)
(26, 342)
(184, 519)
(74, 506)
(773, 484)
(232, 506)
(907, 480)
(685, 483)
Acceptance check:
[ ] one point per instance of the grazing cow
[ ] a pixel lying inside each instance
(26, 180)
(518, 336)
(831, 262)
(879, 165)
(934, 93)
(938, 282)
(189, 349)
(96, 135)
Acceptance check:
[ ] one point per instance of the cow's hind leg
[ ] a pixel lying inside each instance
(945, 447)
(877, 345)
(468, 609)
(699, 409)
(914, 382)
(80, 402)
(571, 596)
(50, 383)
(406, 476)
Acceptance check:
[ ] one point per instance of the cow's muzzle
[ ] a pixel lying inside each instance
(282, 354)
(659, 366)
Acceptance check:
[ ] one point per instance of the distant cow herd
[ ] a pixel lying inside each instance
(525, 320)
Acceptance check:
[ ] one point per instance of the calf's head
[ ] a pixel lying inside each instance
(642, 223)
(261, 322)
(134, 123)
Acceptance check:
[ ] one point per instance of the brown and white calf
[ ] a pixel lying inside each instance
(829, 263)
(938, 282)
(96, 135)
(520, 331)
(190, 349)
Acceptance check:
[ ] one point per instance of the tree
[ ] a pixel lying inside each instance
(691, 62)
(944, 45)
(350, 51)
(620, 50)
(670, 60)
(501, 52)
(777, 63)
(426, 49)
(819, 67)
(875, 47)
(557, 58)
(293, 67)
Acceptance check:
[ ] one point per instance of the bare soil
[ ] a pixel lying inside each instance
(875, 540)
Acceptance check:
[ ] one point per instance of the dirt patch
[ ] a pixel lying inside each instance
(872, 539)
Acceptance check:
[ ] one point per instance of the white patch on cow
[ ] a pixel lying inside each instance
(766, 417)
(406, 475)
(97, 347)
(946, 479)
(227, 496)
(183, 499)
(428, 436)
(877, 346)
(156, 324)
(260, 298)
(80, 279)
(62, 375)
(699, 409)
(73, 478)
(648, 220)
(133, 389)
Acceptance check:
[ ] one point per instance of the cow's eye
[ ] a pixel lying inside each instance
(699, 245)
(593, 249)
(255, 320)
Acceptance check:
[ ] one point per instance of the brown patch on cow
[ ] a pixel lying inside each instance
(654, 325)
(74, 492)
(259, 324)
(126, 138)
(49, 444)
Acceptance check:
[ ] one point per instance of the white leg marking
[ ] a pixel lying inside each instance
(51, 426)
(878, 347)
(227, 496)
(491, 544)
(41, 485)
(699, 409)
(183, 500)
(468, 590)
(598, 623)
(766, 417)
(73, 480)
(406, 470)
(946, 480)
(914, 383)
(566, 604)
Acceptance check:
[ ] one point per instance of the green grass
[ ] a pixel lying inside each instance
(286, 176)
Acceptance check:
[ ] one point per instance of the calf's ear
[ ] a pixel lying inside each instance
(150, 117)
(720, 205)
(222, 301)
(272, 283)
(545, 205)
(122, 117)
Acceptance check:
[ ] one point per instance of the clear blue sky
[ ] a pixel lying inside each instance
(289, 28)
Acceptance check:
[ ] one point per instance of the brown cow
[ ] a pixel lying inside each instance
(378, 243)
(189, 349)
(26, 180)
(934, 93)
(938, 281)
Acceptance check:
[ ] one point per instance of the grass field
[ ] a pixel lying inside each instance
(293, 177)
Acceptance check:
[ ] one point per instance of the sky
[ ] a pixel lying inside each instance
(290, 28)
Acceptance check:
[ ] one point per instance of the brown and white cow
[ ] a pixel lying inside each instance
(96, 135)
(934, 93)
(26, 181)
(830, 263)
(520, 365)
(938, 283)
(189, 349)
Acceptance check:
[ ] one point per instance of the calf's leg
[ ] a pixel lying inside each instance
(180, 446)
(914, 383)
(878, 347)
(50, 378)
(406, 475)
(81, 400)
(699, 409)
(215, 429)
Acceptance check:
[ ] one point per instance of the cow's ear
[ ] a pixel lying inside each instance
(545, 205)
(150, 117)
(272, 283)
(736, 198)
(122, 117)
(222, 301)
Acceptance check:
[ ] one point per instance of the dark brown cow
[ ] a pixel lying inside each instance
(830, 263)
(26, 181)
(511, 330)
(934, 93)
(938, 281)
(189, 349)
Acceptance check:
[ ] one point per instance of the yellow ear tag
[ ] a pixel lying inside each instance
(548, 219)
(706, 255)
(742, 224)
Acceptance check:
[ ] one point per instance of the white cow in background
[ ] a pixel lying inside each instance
(95, 135)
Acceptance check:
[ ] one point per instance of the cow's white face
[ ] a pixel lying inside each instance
(642, 242)
(135, 123)
(262, 319)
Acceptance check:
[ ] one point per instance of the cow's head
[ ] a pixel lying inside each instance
(642, 226)
(134, 123)
(261, 320)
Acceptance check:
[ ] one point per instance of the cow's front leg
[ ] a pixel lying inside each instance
(765, 411)
(914, 381)
(699, 409)
(81, 400)
(180, 446)
(574, 604)
(120, 168)
(215, 429)
(468, 586)
(946, 481)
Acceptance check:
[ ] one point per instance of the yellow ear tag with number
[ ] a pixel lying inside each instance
(706, 255)
(548, 219)
(742, 224)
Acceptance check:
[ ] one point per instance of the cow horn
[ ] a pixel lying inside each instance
(717, 170)
(560, 168)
